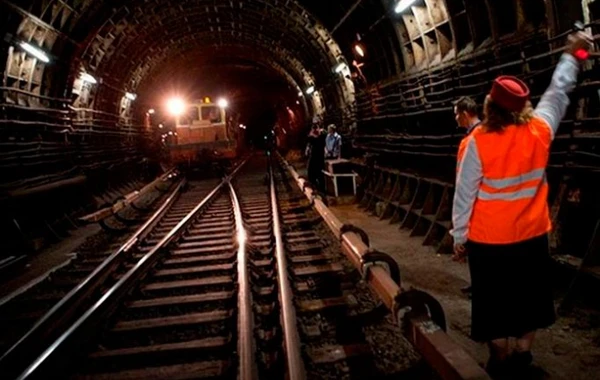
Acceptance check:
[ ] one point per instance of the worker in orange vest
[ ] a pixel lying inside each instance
(500, 213)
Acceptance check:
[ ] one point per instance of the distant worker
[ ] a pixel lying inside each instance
(315, 151)
(501, 211)
(465, 112)
(333, 144)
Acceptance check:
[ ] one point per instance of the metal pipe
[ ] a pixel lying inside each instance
(294, 362)
(247, 364)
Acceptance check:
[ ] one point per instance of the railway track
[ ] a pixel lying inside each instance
(38, 312)
(248, 284)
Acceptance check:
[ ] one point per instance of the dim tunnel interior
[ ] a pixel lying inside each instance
(75, 123)
(84, 121)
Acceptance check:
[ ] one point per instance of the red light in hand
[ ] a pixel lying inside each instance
(582, 54)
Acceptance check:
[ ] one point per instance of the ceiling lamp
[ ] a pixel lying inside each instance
(359, 50)
(35, 51)
(88, 78)
(130, 96)
(402, 5)
(340, 67)
(310, 90)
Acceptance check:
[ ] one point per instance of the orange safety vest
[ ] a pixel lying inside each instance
(512, 202)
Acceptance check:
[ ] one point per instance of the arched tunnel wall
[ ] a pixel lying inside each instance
(456, 48)
(394, 104)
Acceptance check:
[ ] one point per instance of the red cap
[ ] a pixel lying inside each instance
(510, 93)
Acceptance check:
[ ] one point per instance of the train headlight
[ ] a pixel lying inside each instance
(176, 106)
(223, 103)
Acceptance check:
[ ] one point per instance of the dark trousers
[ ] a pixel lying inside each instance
(315, 172)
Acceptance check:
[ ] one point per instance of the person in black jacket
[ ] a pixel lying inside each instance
(316, 156)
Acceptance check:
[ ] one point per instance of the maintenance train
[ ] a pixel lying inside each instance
(203, 133)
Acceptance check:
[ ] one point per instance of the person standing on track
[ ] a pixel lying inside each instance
(316, 156)
(501, 216)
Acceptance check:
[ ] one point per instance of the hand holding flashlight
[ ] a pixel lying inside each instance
(580, 43)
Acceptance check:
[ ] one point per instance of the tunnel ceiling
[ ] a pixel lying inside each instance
(124, 43)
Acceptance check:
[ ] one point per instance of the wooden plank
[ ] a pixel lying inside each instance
(208, 343)
(201, 370)
(179, 320)
(193, 251)
(317, 269)
(200, 259)
(181, 300)
(193, 270)
(221, 280)
(206, 243)
(327, 303)
(335, 353)
(309, 258)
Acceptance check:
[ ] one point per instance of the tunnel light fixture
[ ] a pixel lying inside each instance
(130, 96)
(402, 5)
(359, 50)
(310, 90)
(175, 106)
(88, 78)
(35, 51)
(223, 103)
(151, 111)
(300, 94)
(340, 67)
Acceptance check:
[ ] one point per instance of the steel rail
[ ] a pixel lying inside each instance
(410, 308)
(53, 321)
(247, 364)
(294, 363)
(51, 359)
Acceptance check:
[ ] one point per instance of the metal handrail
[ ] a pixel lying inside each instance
(247, 363)
(294, 362)
(45, 362)
(63, 310)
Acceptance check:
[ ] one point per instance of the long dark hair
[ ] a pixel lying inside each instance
(496, 118)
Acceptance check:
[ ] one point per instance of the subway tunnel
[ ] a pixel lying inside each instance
(85, 129)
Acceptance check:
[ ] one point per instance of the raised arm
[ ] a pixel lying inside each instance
(468, 179)
(553, 104)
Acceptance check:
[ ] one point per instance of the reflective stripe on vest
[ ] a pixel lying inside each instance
(511, 203)
(512, 188)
